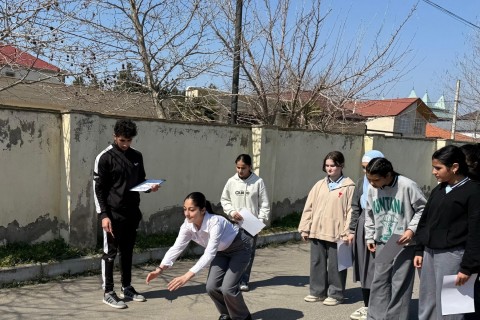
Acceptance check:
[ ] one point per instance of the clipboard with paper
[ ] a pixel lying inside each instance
(147, 185)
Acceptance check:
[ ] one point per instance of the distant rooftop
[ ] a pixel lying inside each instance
(390, 107)
(9, 55)
(433, 131)
(439, 108)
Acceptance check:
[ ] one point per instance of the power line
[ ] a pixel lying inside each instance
(453, 15)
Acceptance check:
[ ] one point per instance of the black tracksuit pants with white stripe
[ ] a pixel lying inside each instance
(121, 242)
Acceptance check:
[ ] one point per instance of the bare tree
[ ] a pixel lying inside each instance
(297, 72)
(469, 73)
(163, 43)
(26, 27)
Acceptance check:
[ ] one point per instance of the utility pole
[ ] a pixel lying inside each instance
(236, 62)
(455, 110)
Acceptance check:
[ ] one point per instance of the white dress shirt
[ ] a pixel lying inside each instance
(215, 234)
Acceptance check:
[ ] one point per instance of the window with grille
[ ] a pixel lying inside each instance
(419, 128)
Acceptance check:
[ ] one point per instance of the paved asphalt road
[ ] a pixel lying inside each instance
(279, 283)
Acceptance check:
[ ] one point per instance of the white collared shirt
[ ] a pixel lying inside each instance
(215, 234)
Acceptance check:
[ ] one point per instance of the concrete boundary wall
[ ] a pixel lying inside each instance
(47, 160)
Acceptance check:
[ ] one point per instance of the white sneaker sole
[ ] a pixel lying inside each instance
(121, 306)
(133, 299)
(313, 299)
(331, 304)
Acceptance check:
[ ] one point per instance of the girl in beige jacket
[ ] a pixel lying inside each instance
(325, 220)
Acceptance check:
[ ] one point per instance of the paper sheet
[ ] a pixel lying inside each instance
(389, 250)
(250, 223)
(457, 300)
(344, 255)
(147, 185)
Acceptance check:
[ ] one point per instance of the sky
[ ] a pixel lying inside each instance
(437, 39)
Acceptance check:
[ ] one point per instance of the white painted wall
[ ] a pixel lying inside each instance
(47, 162)
(385, 123)
(30, 145)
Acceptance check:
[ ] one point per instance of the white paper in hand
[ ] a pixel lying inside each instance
(344, 255)
(147, 185)
(457, 299)
(250, 223)
(390, 250)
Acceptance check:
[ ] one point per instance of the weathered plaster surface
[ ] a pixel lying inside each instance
(286, 207)
(83, 220)
(83, 127)
(33, 231)
(167, 220)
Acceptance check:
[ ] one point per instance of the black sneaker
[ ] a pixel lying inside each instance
(130, 293)
(113, 300)
(224, 317)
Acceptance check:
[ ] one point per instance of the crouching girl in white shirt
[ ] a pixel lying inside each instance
(227, 251)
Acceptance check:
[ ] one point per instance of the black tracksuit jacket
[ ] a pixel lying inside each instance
(115, 173)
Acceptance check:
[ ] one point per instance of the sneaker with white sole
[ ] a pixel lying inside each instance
(130, 293)
(113, 300)
(244, 287)
(331, 301)
(312, 298)
(357, 314)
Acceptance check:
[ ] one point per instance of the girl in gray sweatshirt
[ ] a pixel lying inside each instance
(394, 206)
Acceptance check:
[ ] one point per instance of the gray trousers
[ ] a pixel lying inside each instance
(246, 275)
(435, 265)
(325, 279)
(224, 276)
(392, 286)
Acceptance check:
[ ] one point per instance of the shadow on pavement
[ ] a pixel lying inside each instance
(352, 295)
(173, 295)
(278, 313)
(296, 281)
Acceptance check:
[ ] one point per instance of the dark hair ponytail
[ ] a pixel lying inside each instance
(449, 155)
(200, 201)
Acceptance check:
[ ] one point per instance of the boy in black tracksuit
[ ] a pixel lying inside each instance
(119, 168)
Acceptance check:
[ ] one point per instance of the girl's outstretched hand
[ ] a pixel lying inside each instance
(178, 282)
(152, 275)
